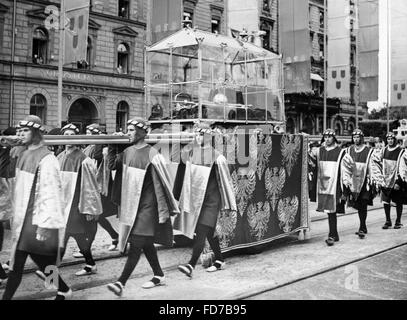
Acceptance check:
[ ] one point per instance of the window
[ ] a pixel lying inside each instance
(352, 92)
(265, 27)
(89, 52)
(187, 19)
(399, 96)
(122, 115)
(38, 106)
(396, 87)
(40, 46)
(321, 47)
(266, 5)
(290, 126)
(124, 9)
(215, 23)
(123, 58)
(338, 128)
(321, 19)
(311, 36)
(86, 64)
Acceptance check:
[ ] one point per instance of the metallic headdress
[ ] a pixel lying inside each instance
(70, 126)
(94, 128)
(139, 123)
(331, 133)
(32, 121)
(358, 132)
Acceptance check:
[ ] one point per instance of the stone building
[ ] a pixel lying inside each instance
(108, 88)
(304, 111)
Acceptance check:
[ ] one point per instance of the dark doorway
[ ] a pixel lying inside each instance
(82, 113)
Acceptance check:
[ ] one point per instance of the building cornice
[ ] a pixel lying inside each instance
(216, 7)
(72, 83)
(83, 71)
(118, 19)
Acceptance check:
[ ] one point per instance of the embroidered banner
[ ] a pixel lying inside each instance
(269, 179)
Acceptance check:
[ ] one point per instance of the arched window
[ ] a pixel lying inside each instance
(351, 126)
(308, 125)
(38, 106)
(338, 127)
(290, 126)
(122, 115)
(123, 54)
(40, 46)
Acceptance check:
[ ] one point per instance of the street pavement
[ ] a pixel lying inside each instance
(383, 276)
(284, 263)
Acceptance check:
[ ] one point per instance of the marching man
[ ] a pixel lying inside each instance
(96, 152)
(356, 176)
(38, 216)
(146, 204)
(329, 189)
(392, 157)
(205, 189)
(81, 198)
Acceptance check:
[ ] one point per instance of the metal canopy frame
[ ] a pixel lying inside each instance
(198, 41)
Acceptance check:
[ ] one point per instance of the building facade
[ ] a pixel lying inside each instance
(304, 110)
(107, 88)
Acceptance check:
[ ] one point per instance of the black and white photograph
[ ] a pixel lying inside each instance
(203, 154)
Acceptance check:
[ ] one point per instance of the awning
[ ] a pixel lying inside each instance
(316, 77)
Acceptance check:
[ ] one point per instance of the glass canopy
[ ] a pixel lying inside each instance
(194, 74)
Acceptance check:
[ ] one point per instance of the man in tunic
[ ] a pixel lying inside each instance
(96, 152)
(38, 217)
(392, 191)
(5, 191)
(146, 204)
(204, 191)
(356, 177)
(81, 197)
(329, 189)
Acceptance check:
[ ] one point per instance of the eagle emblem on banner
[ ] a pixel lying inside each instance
(243, 187)
(263, 153)
(287, 211)
(225, 227)
(258, 217)
(290, 150)
(274, 181)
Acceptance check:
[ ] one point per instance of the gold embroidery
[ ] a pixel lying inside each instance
(287, 210)
(290, 149)
(225, 227)
(258, 218)
(263, 153)
(243, 187)
(274, 182)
